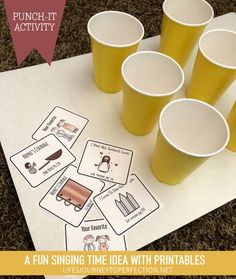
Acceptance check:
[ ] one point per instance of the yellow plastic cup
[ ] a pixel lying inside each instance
(215, 66)
(182, 25)
(232, 126)
(114, 36)
(191, 131)
(150, 79)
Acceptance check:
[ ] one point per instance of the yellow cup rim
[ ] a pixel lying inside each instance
(147, 93)
(115, 45)
(190, 24)
(207, 57)
(182, 150)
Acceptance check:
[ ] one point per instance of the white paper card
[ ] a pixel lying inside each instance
(106, 162)
(93, 235)
(42, 159)
(64, 124)
(124, 206)
(70, 198)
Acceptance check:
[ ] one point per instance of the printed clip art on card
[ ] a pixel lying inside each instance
(70, 198)
(124, 206)
(64, 124)
(106, 162)
(93, 235)
(42, 159)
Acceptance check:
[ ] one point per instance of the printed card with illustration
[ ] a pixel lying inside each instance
(93, 235)
(106, 162)
(42, 159)
(65, 125)
(71, 197)
(124, 206)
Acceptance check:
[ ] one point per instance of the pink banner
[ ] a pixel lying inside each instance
(34, 24)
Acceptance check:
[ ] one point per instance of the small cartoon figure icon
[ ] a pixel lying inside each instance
(104, 165)
(88, 240)
(61, 133)
(67, 126)
(31, 168)
(102, 239)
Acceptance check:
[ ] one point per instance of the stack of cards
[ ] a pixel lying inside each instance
(102, 181)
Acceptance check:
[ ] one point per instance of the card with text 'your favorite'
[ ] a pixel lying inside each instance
(64, 124)
(93, 235)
